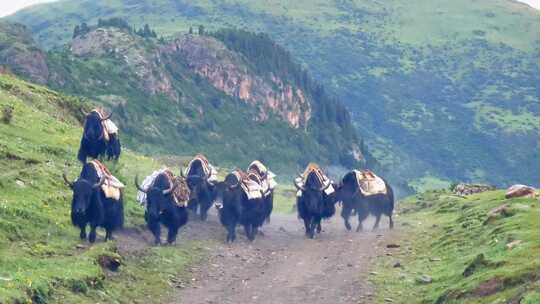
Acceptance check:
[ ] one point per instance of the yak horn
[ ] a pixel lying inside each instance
(84, 112)
(171, 189)
(66, 180)
(326, 187)
(108, 117)
(137, 184)
(299, 187)
(100, 183)
(182, 172)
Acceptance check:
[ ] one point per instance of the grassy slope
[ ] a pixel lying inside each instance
(38, 245)
(454, 230)
(409, 70)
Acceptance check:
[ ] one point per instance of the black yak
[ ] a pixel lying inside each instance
(313, 203)
(96, 141)
(161, 208)
(235, 207)
(201, 187)
(355, 201)
(91, 207)
(258, 172)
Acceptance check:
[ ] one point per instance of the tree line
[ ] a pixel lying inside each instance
(145, 31)
(268, 57)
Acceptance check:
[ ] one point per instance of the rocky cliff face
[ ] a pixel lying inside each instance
(19, 54)
(138, 55)
(192, 94)
(229, 72)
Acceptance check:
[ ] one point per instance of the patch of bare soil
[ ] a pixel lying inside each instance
(283, 266)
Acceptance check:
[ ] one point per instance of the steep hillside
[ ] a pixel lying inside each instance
(42, 259)
(461, 250)
(440, 89)
(193, 93)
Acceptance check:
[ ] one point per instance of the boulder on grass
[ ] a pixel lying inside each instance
(468, 189)
(521, 191)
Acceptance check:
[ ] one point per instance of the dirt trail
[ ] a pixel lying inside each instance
(283, 266)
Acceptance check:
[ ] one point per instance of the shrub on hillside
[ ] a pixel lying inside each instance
(7, 114)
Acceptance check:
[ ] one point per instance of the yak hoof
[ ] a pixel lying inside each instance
(92, 237)
(83, 235)
(348, 226)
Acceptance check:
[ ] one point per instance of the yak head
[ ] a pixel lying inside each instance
(312, 191)
(93, 127)
(159, 197)
(347, 187)
(83, 190)
(198, 184)
(228, 191)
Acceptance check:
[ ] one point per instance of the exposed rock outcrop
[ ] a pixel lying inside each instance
(468, 189)
(521, 191)
(19, 54)
(138, 55)
(228, 72)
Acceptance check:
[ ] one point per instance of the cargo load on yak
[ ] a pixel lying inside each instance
(266, 177)
(323, 179)
(250, 183)
(112, 187)
(369, 183)
(109, 127)
(199, 166)
(180, 194)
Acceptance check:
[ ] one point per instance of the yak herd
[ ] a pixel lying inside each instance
(243, 198)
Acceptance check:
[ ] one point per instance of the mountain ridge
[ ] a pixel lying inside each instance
(166, 96)
(436, 88)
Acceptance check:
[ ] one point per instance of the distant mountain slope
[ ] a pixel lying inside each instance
(191, 94)
(445, 89)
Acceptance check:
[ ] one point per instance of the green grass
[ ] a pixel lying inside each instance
(427, 183)
(284, 199)
(504, 119)
(444, 234)
(40, 259)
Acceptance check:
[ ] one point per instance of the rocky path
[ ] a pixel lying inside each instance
(285, 267)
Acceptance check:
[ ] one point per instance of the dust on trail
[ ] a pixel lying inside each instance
(283, 266)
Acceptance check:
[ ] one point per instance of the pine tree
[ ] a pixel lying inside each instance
(201, 30)
(146, 31)
(84, 28)
(191, 30)
(76, 31)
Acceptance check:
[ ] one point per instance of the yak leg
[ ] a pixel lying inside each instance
(391, 221)
(92, 236)
(378, 219)
(155, 228)
(231, 233)
(203, 212)
(362, 215)
(319, 226)
(345, 214)
(312, 224)
(254, 231)
(306, 225)
(171, 234)
(248, 229)
(108, 234)
(82, 235)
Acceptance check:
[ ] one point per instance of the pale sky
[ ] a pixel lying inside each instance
(8, 7)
